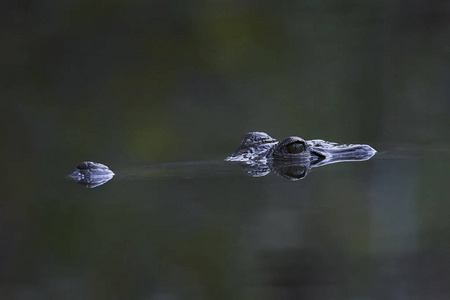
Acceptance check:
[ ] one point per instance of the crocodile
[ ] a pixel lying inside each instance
(293, 157)
(259, 154)
(259, 146)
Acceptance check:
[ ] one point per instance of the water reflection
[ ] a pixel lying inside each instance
(291, 170)
(91, 174)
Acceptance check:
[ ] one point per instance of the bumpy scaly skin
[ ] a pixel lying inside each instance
(254, 146)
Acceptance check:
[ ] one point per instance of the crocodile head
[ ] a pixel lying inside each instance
(258, 146)
(259, 154)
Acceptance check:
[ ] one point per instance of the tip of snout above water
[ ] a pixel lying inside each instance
(91, 174)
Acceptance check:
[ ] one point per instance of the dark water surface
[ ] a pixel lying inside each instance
(376, 229)
(162, 91)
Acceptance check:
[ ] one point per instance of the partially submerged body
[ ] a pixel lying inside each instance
(259, 154)
(293, 157)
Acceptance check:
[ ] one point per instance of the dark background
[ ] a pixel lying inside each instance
(132, 83)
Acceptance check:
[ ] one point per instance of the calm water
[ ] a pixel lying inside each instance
(163, 92)
(363, 230)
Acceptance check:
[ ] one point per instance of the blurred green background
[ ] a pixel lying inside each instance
(141, 82)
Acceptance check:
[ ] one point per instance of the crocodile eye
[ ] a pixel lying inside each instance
(295, 148)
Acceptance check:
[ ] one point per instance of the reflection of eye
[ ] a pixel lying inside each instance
(295, 171)
(295, 148)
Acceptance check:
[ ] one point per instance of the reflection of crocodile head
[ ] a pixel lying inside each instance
(293, 157)
(91, 174)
